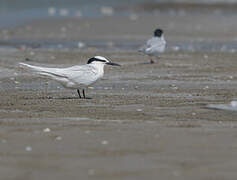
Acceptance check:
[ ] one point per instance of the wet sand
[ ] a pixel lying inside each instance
(143, 121)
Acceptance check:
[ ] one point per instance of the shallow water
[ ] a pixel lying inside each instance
(14, 13)
(116, 45)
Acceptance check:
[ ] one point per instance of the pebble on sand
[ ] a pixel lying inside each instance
(87, 131)
(3, 141)
(80, 45)
(28, 148)
(58, 138)
(91, 172)
(205, 56)
(176, 48)
(233, 103)
(47, 130)
(133, 17)
(52, 57)
(32, 53)
(63, 29)
(206, 87)
(104, 142)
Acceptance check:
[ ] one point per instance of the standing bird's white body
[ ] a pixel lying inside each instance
(75, 77)
(154, 46)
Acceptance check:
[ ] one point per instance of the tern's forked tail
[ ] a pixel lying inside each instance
(26, 66)
(53, 73)
(30, 67)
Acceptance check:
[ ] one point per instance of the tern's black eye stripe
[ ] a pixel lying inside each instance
(95, 59)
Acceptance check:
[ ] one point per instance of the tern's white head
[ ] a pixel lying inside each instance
(100, 61)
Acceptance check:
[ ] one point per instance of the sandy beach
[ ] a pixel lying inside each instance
(143, 121)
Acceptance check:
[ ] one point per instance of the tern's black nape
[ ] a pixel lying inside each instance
(158, 32)
(101, 59)
(95, 59)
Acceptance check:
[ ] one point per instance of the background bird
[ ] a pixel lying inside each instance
(155, 45)
(75, 77)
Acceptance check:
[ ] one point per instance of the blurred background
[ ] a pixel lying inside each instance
(203, 25)
(14, 12)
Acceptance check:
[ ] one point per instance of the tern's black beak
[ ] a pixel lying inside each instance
(112, 64)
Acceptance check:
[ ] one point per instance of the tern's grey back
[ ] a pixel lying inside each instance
(154, 46)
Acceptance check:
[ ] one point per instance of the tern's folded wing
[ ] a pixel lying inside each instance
(154, 45)
(155, 42)
(149, 44)
(44, 70)
(84, 74)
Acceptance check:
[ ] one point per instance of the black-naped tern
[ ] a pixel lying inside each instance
(155, 45)
(75, 77)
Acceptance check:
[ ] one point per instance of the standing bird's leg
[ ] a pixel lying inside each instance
(84, 95)
(152, 61)
(78, 91)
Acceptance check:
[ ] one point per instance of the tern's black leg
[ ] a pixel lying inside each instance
(78, 91)
(84, 95)
(152, 61)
